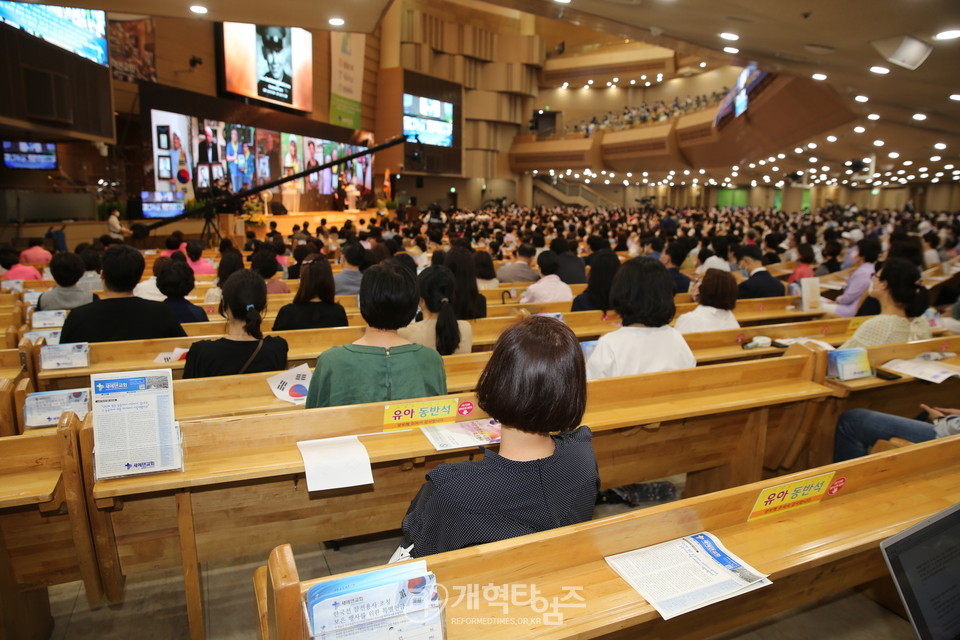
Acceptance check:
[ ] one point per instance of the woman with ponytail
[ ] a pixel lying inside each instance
(244, 349)
(903, 299)
(439, 328)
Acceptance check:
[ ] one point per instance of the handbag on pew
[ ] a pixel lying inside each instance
(246, 365)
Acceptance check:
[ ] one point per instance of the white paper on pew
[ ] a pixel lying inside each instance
(820, 343)
(836, 286)
(333, 463)
(689, 573)
(44, 408)
(935, 372)
(291, 385)
(178, 353)
(48, 319)
(462, 435)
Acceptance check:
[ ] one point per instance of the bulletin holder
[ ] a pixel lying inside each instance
(425, 624)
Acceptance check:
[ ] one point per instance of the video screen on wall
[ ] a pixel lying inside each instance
(162, 204)
(30, 155)
(430, 120)
(195, 154)
(269, 63)
(80, 31)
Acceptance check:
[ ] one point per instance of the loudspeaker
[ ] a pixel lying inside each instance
(905, 51)
(277, 209)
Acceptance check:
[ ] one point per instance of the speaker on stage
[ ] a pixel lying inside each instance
(277, 209)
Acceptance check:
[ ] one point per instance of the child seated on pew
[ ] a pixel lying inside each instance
(244, 349)
(545, 473)
(859, 429)
(642, 294)
(381, 365)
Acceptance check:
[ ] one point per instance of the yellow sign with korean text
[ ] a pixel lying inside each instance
(413, 415)
(793, 495)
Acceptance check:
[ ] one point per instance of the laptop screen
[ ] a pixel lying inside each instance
(924, 562)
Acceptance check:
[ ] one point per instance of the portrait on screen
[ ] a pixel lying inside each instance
(174, 134)
(239, 156)
(275, 64)
(164, 168)
(268, 154)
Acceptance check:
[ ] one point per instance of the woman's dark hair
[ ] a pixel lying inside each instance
(194, 250)
(603, 268)
(67, 269)
(465, 303)
(805, 254)
(316, 280)
(548, 262)
(178, 256)
(230, 262)
(122, 268)
(932, 239)
(226, 244)
(438, 291)
(642, 293)
(483, 262)
(245, 295)
(265, 263)
(9, 258)
(406, 260)
(388, 296)
(535, 379)
(176, 280)
(832, 249)
(172, 242)
(718, 289)
(904, 285)
(869, 249)
(437, 258)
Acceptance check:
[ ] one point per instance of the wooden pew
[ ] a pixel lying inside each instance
(46, 533)
(242, 488)
(809, 554)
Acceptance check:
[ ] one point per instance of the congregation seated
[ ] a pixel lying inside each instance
(831, 254)
(859, 429)
(847, 304)
(520, 270)
(67, 269)
(759, 284)
(230, 262)
(265, 264)
(381, 365)
(200, 265)
(348, 280)
(35, 254)
(244, 348)
(439, 328)
(175, 281)
(13, 269)
(570, 267)
(604, 265)
(148, 289)
(716, 293)
(806, 260)
(313, 306)
(119, 314)
(90, 281)
(642, 294)
(673, 258)
(469, 303)
(486, 276)
(903, 299)
(300, 253)
(173, 243)
(534, 385)
(549, 288)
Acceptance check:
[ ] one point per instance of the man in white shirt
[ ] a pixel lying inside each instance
(549, 288)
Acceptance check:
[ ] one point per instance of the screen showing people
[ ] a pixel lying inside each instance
(30, 155)
(270, 63)
(202, 158)
(79, 31)
(427, 119)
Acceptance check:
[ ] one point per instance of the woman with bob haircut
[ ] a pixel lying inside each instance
(596, 297)
(903, 299)
(717, 294)
(313, 306)
(439, 328)
(381, 365)
(244, 349)
(642, 294)
(545, 473)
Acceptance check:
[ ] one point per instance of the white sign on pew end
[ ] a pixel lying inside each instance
(65, 356)
(48, 319)
(44, 408)
(133, 427)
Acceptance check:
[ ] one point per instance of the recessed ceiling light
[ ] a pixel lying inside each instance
(893, 155)
(831, 138)
(955, 96)
(198, 8)
(950, 34)
(732, 50)
(798, 150)
(919, 116)
(811, 145)
(880, 70)
(861, 98)
(934, 158)
(858, 129)
(873, 116)
(633, 82)
(907, 163)
(878, 143)
(589, 81)
(819, 76)
(336, 22)
(616, 79)
(703, 64)
(940, 145)
(729, 36)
